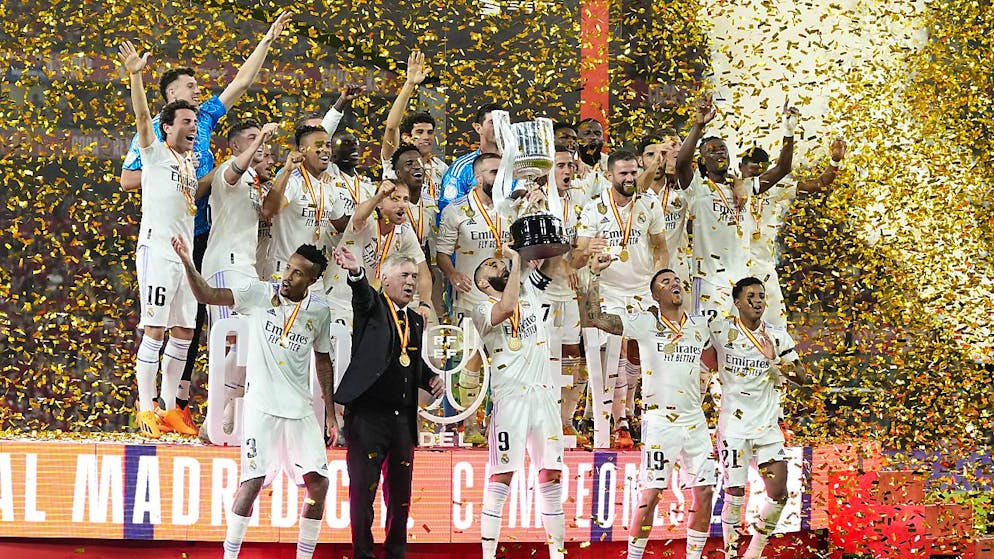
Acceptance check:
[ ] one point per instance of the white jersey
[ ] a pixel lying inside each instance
(750, 394)
(264, 243)
(527, 367)
(277, 378)
(573, 203)
(671, 365)
(675, 211)
(374, 247)
(434, 171)
(423, 219)
(234, 222)
(768, 211)
(296, 223)
(721, 233)
(169, 183)
(594, 182)
(630, 277)
(465, 234)
(352, 191)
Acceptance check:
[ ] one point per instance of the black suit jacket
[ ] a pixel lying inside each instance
(375, 344)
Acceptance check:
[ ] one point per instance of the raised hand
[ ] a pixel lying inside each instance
(269, 130)
(838, 149)
(277, 27)
(129, 58)
(416, 67)
(705, 111)
(293, 161)
(791, 117)
(386, 188)
(346, 260)
(348, 92)
(600, 262)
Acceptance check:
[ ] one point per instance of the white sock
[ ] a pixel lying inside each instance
(572, 394)
(307, 540)
(234, 376)
(553, 518)
(636, 547)
(620, 394)
(183, 392)
(491, 517)
(768, 519)
(146, 368)
(633, 371)
(731, 517)
(173, 363)
(234, 535)
(695, 543)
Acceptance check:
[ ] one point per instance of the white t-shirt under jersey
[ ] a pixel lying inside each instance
(750, 394)
(624, 279)
(465, 234)
(511, 371)
(169, 182)
(720, 249)
(671, 365)
(235, 222)
(278, 379)
(295, 224)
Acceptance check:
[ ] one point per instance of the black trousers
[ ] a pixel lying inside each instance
(379, 441)
(199, 248)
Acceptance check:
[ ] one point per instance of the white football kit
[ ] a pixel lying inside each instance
(768, 211)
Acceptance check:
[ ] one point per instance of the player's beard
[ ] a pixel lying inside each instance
(499, 283)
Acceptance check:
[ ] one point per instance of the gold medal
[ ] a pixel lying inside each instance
(623, 255)
(499, 253)
(192, 210)
(405, 359)
(669, 349)
(317, 234)
(756, 235)
(514, 344)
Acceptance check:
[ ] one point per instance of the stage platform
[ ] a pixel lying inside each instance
(110, 497)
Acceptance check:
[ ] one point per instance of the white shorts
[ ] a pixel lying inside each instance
(737, 454)
(712, 301)
(165, 294)
(528, 419)
(231, 279)
(664, 444)
(270, 443)
(564, 320)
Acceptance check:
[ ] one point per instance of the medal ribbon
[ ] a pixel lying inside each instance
(419, 229)
(515, 319)
(765, 349)
(386, 247)
(404, 332)
(288, 322)
(492, 224)
(724, 202)
(430, 175)
(184, 169)
(318, 202)
(626, 227)
(355, 189)
(756, 208)
(676, 329)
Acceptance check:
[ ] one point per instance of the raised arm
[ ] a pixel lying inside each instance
(244, 160)
(585, 248)
(362, 293)
(685, 157)
(391, 131)
(134, 65)
(827, 177)
(249, 70)
(777, 172)
(204, 293)
(660, 253)
(591, 313)
(509, 299)
(365, 209)
(276, 197)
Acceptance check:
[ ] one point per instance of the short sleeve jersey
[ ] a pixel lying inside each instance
(278, 378)
(528, 367)
(721, 234)
(646, 218)
(750, 394)
(168, 187)
(235, 208)
(671, 365)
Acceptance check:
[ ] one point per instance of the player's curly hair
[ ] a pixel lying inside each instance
(401, 150)
(744, 283)
(168, 114)
(315, 256)
(420, 117)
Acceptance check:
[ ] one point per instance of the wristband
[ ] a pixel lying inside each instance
(237, 170)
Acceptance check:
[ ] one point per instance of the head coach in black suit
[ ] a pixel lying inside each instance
(380, 395)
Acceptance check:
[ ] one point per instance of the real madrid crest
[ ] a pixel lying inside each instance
(732, 335)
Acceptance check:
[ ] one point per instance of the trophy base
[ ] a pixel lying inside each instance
(538, 236)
